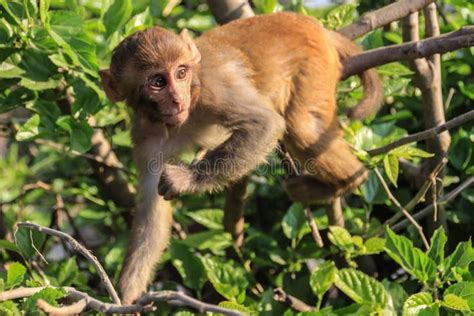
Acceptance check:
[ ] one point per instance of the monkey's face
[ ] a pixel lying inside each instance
(166, 94)
(152, 71)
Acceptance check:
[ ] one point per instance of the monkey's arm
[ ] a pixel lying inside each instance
(151, 225)
(255, 129)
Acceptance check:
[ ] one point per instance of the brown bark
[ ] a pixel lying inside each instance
(383, 16)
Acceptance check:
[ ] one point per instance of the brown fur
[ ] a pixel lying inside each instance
(259, 81)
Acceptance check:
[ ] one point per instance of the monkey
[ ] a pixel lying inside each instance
(236, 91)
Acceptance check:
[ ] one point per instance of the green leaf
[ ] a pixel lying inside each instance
(436, 250)
(117, 15)
(237, 307)
(294, 221)
(370, 188)
(40, 85)
(68, 272)
(9, 308)
(15, 274)
(323, 277)
(461, 257)
(66, 24)
(266, 6)
(420, 304)
(8, 245)
(8, 70)
(464, 290)
(50, 295)
(209, 218)
(455, 302)
(374, 245)
(390, 163)
(214, 240)
(412, 259)
(24, 237)
(44, 7)
(80, 133)
(410, 152)
(340, 237)
(340, 16)
(361, 288)
(227, 278)
(397, 294)
(189, 266)
(30, 129)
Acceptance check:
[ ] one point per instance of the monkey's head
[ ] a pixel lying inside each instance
(152, 71)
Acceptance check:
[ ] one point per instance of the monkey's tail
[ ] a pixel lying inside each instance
(371, 82)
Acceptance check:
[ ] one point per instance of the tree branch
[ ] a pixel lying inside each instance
(383, 16)
(441, 201)
(401, 209)
(142, 305)
(413, 202)
(82, 250)
(429, 133)
(462, 38)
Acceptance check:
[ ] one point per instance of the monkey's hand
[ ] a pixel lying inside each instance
(174, 181)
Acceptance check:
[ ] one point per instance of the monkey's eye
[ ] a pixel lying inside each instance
(158, 81)
(181, 73)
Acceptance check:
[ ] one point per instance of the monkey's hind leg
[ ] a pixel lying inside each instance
(234, 210)
(329, 169)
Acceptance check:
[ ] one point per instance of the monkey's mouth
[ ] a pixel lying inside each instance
(176, 118)
(172, 114)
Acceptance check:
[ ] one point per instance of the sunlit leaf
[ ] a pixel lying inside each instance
(412, 259)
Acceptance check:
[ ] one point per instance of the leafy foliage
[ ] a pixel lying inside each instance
(50, 54)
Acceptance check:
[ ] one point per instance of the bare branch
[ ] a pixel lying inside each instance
(227, 10)
(82, 250)
(413, 202)
(383, 16)
(394, 200)
(441, 201)
(307, 210)
(432, 132)
(143, 304)
(73, 309)
(280, 295)
(462, 38)
(172, 296)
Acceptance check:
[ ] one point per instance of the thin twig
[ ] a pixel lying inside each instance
(143, 304)
(434, 193)
(413, 202)
(280, 295)
(441, 201)
(82, 250)
(432, 132)
(394, 200)
(307, 210)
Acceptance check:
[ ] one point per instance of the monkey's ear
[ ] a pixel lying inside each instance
(110, 86)
(196, 55)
